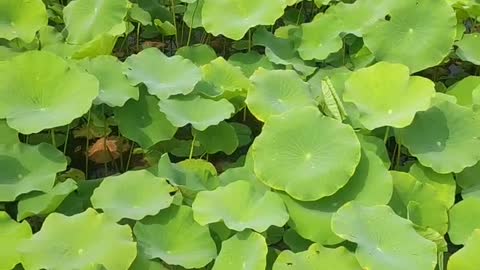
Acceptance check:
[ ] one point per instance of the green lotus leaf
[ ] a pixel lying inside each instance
(199, 112)
(47, 93)
(419, 202)
(83, 241)
(385, 240)
(317, 257)
(413, 35)
(164, 76)
(277, 91)
(467, 48)
(371, 184)
(142, 262)
(249, 62)
(193, 14)
(7, 134)
(240, 205)
(245, 250)
(244, 133)
(468, 180)
(444, 138)
(12, 234)
(295, 242)
(27, 168)
(466, 90)
(218, 138)
(79, 201)
(45, 203)
(22, 19)
(242, 15)
(337, 76)
(140, 15)
(386, 95)
(176, 238)
(100, 45)
(142, 121)
(87, 19)
(464, 220)
(133, 195)
(305, 154)
(224, 77)
(467, 257)
(115, 89)
(199, 54)
(377, 146)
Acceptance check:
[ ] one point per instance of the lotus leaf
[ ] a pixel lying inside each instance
(176, 238)
(7, 134)
(164, 76)
(444, 138)
(133, 195)
(21, 19)
(245, 250)
(221, 137)
(385, 240)
(467, 257)
(140, 15)
(249, 62)
(469, 181)
(464, 220)
(223, 76)
(47, 93)
(277, 91)
(466, 91)
(200, 54)
(386, 95)
(193, 14)
(300, 152)
(467, 48)
(82, 241)
(27, 168)
(12, 234)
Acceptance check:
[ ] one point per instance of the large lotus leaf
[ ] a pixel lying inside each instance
(466, 91)
(221, 137)
(467, 258)
(7, 134)
(371, 184)
(115, 89)
(444, 138)
(386, 95)
(85, 241)
(469, 181)
(233, 18)
(418, 202)
(240, 205)
(317, 257)
(39, 90)
(223, 76)
(249, 62)
(444, 184)
(199, 112)
(176, 238)
(164, 76)
(22, 19)
(87, 19)
(142, 121)
(27, 168)
(46, 203)
(12, 234)
(305, 154)
(464, 220)
(468, 48)
(385, 240)
(133, 195)
(200, 54)
(418, 34)
(245, 250)
(277, 91)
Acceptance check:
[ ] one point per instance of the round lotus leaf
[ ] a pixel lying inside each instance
(45, 203)
(386, 95)
(384, 240)
(469, 181)
(224, 77)
(418, 34)
(142, 121)
(200, 54)
(240, 205)
(251, 61)
(317, 257)
(27, 168)
(84, 241)
(371, 184)
(464, 220)
(221, 137)
(133, 195)
(245, 250)
(174, 237)
(7, 134)
(164, 76)
(468, 48)
(467, 258)
(200, 112)
(12, 234)
(444, 184)
(277, 91)
(444, 138)
(115, 89)
(87, 19)
(233, 18)
(466, 90)
(47, 93)
(22, 19)
(305, 154)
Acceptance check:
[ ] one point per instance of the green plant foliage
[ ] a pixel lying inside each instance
(22, 19)
(467, 91)
(199, 54)
(463, 220)
(467, 257)
(467, 48)
(7, 134)
(468, 181)
(11, 237)
(221, 137)
(220, 76)
(249, 62)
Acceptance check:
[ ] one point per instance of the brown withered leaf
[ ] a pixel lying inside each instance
(107, 149)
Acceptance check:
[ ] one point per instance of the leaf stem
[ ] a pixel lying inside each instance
(387, 133)
(52, 133)
(191, 23)
(174, 17)
(130, 156)
(191, 146)
(249, 40)
(138, 36)
(66, 140)
(87, 142)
